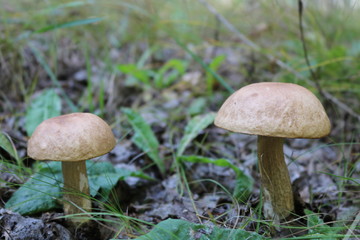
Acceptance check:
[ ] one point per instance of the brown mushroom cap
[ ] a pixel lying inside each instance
(274, 109)
(71, 137)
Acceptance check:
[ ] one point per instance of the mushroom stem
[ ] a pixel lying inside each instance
(276, 184)
(76, 189)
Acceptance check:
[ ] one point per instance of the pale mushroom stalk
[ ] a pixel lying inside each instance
(76, 188)
(275, 179)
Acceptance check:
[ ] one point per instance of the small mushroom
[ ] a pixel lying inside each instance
(72, 139)
(274, 111)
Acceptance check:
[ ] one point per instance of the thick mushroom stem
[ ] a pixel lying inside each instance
(76, 189)
(276, 184)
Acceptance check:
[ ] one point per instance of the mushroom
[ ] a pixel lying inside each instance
(72, 139)
(274, 111)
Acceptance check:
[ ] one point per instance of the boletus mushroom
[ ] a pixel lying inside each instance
(274, 111)
(72, 139)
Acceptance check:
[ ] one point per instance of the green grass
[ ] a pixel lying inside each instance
(149, 47)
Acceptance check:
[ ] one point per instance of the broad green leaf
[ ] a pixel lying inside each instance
(103, 177)
(244, 183)
(140, 74)
(317, 226)
(44, 106)
(42, 191)
(193, 128)
(7, 144)
(175, 229)
(144, 137)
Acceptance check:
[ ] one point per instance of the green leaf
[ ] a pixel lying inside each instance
(103, 177)
(7, 144)
(243, 187)
(214, 65)
(193, 128)
(42, 61)
(39, 193)
(175, 229)
(133, 70)
(244, 184)
(42, 191)
(124, 173)
(205, 66)
(144, 137)
(44, 106)
(197, 106)
(169, 72)
(317, 226)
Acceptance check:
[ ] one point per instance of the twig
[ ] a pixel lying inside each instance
(303, 42)
(278, 62)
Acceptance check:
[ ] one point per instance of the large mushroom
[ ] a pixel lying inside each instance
(72, 139)
(274, 111)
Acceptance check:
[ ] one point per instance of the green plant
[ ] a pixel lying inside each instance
(197, 124)
(213, 66)
(144, 137)
(8, 145)
(160, 78)
(34, 35)
(175, 229)
(44, 106)
(244, 184)
(42, 192)
(207, 68)
(192, 129)
(169, 73)
(142, 75)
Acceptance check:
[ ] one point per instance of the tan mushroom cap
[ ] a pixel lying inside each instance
(71, 137)
(274, 109)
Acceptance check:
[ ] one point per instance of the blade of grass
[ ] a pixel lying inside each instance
(68, 25)
(89, 88)
(205, 66)
(53, 78)
(52, 9)
(8, 145)
(244, 184)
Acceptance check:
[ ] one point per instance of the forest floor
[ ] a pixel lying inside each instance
(168, 85)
